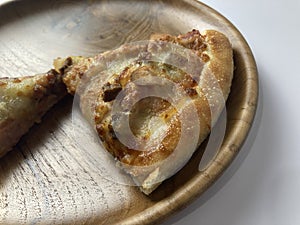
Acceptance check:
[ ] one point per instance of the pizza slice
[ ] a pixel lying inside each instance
(23, 102)
(150, 136)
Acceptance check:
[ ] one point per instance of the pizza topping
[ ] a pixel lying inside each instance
(68, 62)
(17, 80)
(191, 91)
(110, 91)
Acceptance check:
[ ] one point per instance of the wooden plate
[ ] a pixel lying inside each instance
(46, 179)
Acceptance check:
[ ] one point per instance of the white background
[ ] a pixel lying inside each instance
(262, 187)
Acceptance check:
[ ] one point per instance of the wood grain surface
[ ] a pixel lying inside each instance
(48, 178)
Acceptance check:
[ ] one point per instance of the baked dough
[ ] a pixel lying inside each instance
(23, 102)
(154, 118)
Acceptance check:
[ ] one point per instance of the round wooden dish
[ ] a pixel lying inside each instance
(46, 179)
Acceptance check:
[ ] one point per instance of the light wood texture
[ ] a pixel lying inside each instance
(47, 178)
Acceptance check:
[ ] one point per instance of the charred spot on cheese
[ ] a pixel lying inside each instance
(191, 92)
(112, 132)
(205, 57)
(68, 62)
(48, 85)
(101, 131)
(17, 80)
(110, 91)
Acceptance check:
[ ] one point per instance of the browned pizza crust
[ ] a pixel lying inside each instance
(23, 102)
